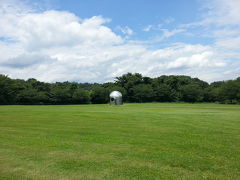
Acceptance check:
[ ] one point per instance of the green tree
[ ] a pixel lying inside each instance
(99, 95)
(128, 82)
(191, 93)
(81, 96)
(164, 93)
(143, 93)
(28, 96)
(60, 95)
(230, 92)
(7, 90)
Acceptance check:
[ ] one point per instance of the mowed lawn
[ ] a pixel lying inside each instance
(133, 141)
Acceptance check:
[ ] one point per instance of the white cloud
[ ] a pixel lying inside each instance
(151, 27)
(218, 13)
(167, 33)
(26, 60)
(169, 20)
(226, 32)
(56, 28)
(59, 46)
(220, 22)
(229, 43)
(222, 12)
(201, 60)
(178, 59)
(148, 28)
(125, 30)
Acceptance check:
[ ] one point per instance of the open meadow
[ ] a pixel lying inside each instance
(135, 141)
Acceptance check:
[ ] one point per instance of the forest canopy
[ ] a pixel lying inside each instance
(134, 87)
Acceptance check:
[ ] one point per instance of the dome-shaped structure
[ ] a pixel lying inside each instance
(115, 98)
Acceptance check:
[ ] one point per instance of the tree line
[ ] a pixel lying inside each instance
(134, 87)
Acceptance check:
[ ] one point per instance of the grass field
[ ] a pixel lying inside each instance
(134, 141)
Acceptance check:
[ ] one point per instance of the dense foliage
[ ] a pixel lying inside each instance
(134, 87)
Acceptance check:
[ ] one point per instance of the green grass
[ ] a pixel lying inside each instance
(134, 141)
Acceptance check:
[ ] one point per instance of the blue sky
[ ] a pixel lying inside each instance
(95, 41)
(136, 14)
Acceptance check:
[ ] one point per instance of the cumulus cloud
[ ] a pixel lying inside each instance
(58, 46)
(200, 60)
(220, 22)
(222, 12)
(229, 43)
(26, 60)
(55, 28)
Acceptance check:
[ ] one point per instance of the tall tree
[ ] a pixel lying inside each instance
(192, 93)
(230, 92)
(81, 96)
(99, 95)
(7, 90)
(143, 93)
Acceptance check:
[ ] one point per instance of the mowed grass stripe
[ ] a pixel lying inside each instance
(133, 141)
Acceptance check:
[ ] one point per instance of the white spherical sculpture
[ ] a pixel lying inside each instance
(115, 98)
